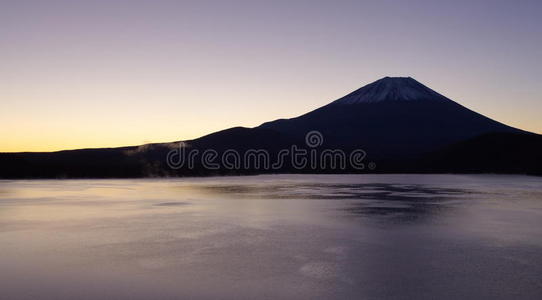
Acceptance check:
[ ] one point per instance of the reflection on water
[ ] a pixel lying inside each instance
(406, 202)
(172, 203)
(280, 236)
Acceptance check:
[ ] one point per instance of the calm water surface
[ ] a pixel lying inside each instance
(279, 236)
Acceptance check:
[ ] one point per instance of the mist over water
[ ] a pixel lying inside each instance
(274, 236)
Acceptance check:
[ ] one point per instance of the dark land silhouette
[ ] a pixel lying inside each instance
(402, 125)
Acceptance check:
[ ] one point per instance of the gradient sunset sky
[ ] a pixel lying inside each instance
(77, 74)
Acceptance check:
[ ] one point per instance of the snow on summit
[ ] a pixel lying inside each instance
(391, 89)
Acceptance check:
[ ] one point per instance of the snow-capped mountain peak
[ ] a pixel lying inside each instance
(392, 89)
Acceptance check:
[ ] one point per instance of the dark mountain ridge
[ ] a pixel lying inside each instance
(391, 117)
(400, 124)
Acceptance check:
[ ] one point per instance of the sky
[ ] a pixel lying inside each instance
(86, 74)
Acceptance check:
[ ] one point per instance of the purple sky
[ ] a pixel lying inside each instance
(109, 73)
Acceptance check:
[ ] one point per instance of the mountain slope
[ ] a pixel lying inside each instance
(392, 118)
(401, 124)
(493, 153)
(392, 89)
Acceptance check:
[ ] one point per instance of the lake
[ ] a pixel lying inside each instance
(273, 236)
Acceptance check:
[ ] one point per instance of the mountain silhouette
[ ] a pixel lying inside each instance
(394, 117)
(399, 123)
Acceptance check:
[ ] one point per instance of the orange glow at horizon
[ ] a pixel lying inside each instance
(111, 124)
(92, 74)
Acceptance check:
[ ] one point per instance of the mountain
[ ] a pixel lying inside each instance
(394, 117)
(392, 89)
(489, 153)
(399, 125)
